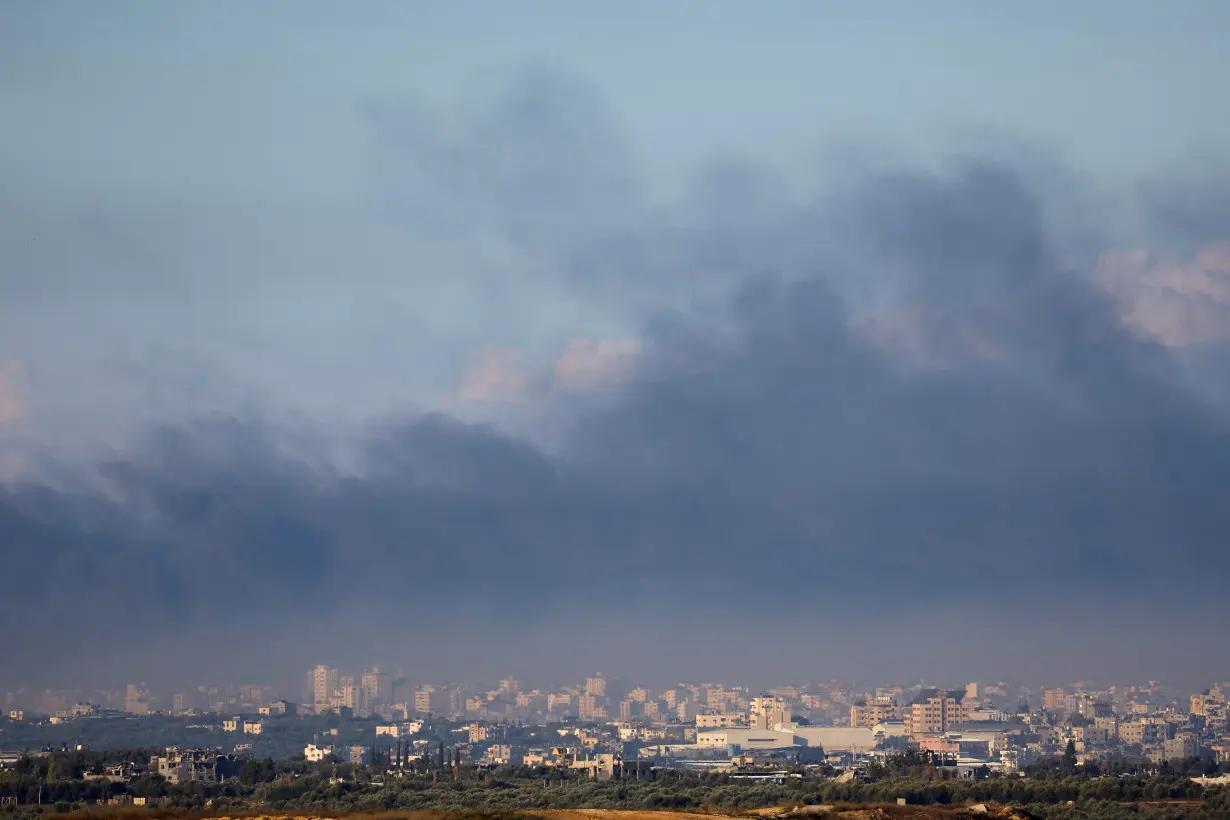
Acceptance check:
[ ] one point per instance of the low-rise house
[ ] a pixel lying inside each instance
(317, 754)
(600, 767)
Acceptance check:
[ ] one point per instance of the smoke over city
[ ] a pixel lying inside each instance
(503, 404)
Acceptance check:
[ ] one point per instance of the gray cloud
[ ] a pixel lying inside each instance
(768, 457)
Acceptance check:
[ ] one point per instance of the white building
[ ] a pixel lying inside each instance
(746, 739)
(731, 721)
(837, 738)
(400, 729)
(829, 738)
(316, 754)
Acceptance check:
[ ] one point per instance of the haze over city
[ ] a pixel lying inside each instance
(763, 343)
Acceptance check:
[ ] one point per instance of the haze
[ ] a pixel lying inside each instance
(754, 340)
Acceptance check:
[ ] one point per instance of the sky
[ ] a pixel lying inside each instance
(759, 340)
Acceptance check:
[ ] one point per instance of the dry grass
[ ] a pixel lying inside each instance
(837, 812)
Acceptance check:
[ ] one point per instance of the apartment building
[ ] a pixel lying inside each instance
(934, 711)
(560, 702)
(1058, 701)
(377, 686)
(722, 721)
(425, 699)
(1142, 732)
(868, 713)
(591, 706)
(1181, 747)
(325, 681)
(768, 711)
(1209, 705)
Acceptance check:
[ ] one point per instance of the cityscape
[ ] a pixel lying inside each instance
(625, 410)
(979, 726)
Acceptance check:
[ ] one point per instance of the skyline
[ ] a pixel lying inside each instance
(358, 335)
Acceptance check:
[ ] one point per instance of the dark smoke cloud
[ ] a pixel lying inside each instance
(904, 395)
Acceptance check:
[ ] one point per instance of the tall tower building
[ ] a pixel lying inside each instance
(425, 698)
(325, 680)
(377, 688)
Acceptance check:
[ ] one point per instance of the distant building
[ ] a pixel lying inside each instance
(136, 699)
(253, 727)
(501, 754)
(1059, 701)
(768, 712)
(1181, 748)
(868, 713)
(600, 767)
(730, 721)
(325, 680)
(591, 706)
(377, 687)
(935, 711)
(836, 738)
(317, 754)
(193, 765)
(399, 729)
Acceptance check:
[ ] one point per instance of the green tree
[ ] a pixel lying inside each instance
(1069, 756)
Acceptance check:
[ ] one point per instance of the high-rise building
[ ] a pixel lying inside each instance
(596, 686)
(325, 680)
(454, 700)
(1058, 701)
(591, 707)
(377, 688)
(136, 699)
(424, 698)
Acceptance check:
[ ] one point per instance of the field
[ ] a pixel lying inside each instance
(836, 812)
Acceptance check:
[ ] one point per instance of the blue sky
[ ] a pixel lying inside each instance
(1113, 85)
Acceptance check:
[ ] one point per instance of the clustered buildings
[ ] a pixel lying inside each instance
(602, 723)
